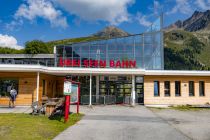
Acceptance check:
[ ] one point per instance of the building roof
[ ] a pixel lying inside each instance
(26, 56)
(97, 71)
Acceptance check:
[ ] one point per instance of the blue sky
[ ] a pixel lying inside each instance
(26, 20)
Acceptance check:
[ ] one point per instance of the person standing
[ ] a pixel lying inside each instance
(13, 95)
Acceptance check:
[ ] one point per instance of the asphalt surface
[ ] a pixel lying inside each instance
(194, 124)
(121, 123)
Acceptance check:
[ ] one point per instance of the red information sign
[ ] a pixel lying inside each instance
(75, 93)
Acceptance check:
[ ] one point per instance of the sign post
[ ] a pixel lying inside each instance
(67, 105)
(72, 94)
(67, 91)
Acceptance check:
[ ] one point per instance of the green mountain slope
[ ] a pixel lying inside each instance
(187, 50)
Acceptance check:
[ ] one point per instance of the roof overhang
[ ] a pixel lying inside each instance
(97, 71)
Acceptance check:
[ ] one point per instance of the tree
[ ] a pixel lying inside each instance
(36, 47)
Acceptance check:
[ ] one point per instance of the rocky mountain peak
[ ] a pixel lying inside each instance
(198, 21)
(111, 31)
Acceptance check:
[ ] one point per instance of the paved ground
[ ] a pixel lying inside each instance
(121, 123)
(128, 123)
(18, 109)
(194, 124)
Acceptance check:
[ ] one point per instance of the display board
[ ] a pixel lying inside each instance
(67, 88)
(74, 93)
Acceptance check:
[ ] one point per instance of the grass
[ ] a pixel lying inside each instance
(179, 108)
(188, 108)
(28, 127)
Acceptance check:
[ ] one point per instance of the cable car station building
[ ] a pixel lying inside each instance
(126, 70)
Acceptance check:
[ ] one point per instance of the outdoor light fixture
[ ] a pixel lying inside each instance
(68, 77)
(26, 82)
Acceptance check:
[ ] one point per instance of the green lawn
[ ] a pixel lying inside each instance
(28, 127)
(179, 108)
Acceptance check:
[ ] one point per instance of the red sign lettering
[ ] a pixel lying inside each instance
(97, 63)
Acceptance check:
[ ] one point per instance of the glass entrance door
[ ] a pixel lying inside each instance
(119, 93)
(120, 90)
(140, 93)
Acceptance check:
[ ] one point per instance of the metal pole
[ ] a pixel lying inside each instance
(90, 98)
(97, 89)
(55, 57)
(37, 87)
(162, 39)
(133, 94)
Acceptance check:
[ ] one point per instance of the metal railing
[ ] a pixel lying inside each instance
(105, 99)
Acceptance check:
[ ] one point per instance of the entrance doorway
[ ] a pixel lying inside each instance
(118, 87)
(140, 93)
(139, 87)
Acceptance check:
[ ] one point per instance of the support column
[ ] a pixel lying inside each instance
(55, 56)
(97, 89)
(37, 87)
(133, 94)
(90, 98)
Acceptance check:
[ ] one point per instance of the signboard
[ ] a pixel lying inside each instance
(112, 78)
(71, 91)
(139, 80)
(97, 63)
(74, 93)
(67, 89)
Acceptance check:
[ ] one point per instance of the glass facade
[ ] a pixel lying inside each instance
(143, 51)
(140, 51)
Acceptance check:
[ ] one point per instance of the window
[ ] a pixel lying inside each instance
(44, 87)
(167, 88)
(156, 88)
(177, 88)
(6, 85)
(191, 88)
(201, 88)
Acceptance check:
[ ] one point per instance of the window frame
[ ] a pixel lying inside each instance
(179, 83)
(193, 93)
(158, 89)
(7, 93)
(44, 87)
(167, 90)
(203, 94)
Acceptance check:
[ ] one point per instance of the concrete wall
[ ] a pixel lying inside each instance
(150, 99)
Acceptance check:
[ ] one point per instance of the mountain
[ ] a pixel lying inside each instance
(186, 50)
(198, 21)
(110, 32)
(186, 43)
(107, 32)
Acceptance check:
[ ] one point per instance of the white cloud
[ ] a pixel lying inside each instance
(9, 41)
(113, 11)
(142, 19)
(42, 9)
(13, 25)
(182, 6)
(202, 4)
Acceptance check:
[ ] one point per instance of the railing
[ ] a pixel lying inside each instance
(105, 99)
(49, 62)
